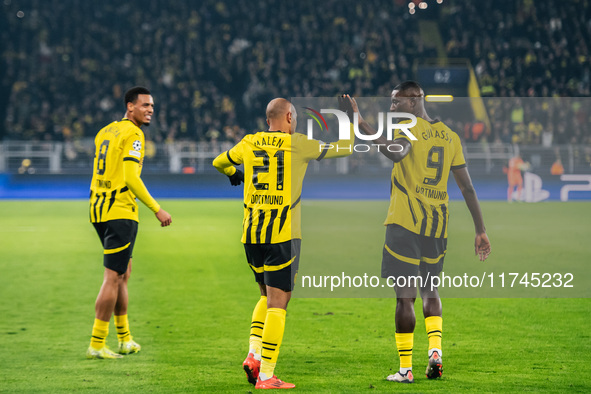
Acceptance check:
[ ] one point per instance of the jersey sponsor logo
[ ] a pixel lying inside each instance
(135, 153)
(137, 145)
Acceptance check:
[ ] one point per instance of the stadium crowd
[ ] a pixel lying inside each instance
(538, 49)
(212, 65)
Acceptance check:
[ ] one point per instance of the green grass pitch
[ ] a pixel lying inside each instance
(191, 297)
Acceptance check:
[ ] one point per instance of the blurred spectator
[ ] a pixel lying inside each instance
(215, 63)
(557, 168)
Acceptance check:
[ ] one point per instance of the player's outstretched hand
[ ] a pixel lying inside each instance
(350, 106)
(164, 218)
(482, 246)
(237, 178)
(346, 106)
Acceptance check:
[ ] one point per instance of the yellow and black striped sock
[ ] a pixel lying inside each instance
(122, 326)
(100, 331)
(404, 343)
(256, 328)
(272, 337)
(434, 327)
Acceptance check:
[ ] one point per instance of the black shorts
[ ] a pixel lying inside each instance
(275, 265)
(406, 253)
(118, 239)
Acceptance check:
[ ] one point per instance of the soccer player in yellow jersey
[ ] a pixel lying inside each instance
(416, 232)
(275, 163)
(115, 185)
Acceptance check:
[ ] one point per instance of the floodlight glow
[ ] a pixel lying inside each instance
(439, 98)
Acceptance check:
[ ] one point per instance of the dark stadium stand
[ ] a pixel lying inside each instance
(212, 65)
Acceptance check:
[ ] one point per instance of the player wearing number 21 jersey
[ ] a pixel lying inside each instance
(275, 163)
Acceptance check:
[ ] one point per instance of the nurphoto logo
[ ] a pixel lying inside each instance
(389, 118)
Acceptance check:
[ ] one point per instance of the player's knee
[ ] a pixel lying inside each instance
(429, 292)
(404, 299)
(408, 292)
(277, 304)
(111, 275)
(277, 298)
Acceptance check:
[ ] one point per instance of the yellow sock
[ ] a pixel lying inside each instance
(256, 328)
(122, 326)
(404, 343)
(272, 337)
(100, 330)
(434, 327)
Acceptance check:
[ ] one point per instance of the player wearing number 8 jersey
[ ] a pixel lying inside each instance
(416, 232)
(275, 163)
(114, 187)
(111, 198)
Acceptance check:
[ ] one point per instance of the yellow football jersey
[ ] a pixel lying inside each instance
(275, 164)
(274, 167)
(110, 198)
(418, 197)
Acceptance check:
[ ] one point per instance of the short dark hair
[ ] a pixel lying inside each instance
(409, 85)
(131, 94)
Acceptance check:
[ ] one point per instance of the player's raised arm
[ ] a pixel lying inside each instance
(403, 145)
(481, 242)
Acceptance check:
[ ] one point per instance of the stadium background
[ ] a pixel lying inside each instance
(520, 72)
(521, 68)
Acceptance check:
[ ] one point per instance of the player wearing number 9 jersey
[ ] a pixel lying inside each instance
(416, 232)
(114, 187)
(418, 194)
(275, 163)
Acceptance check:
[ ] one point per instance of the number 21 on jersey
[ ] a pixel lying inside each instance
(277, 168)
